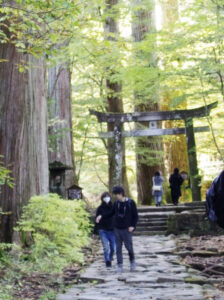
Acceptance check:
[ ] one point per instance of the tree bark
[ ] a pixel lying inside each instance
(176, 150)
(114, 99)
(23, 133)
(147, 149)
(60, 115)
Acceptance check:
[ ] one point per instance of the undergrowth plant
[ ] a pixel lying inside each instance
(59, 229)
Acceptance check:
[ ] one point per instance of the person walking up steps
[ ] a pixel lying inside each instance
(157, 189)
(105, 229)
(175, 183)
(125, 219)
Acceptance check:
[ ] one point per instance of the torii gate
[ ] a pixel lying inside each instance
(154, 116)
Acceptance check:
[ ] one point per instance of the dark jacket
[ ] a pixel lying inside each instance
(125, 214)
(105, 224)
(175, 183)
(215, 196)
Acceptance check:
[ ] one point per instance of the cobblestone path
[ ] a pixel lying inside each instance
(159, 276)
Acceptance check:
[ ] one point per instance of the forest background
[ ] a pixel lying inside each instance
(58, 59)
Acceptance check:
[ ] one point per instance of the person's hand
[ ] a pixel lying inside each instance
(98, 219)
(131, 229)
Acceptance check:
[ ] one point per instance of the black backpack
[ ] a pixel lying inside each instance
(215, 204)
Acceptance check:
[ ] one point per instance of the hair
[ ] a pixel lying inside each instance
(105, 194)
(118, 190)
(176, 171)
(157, 173)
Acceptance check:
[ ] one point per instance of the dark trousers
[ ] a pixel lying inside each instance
(123, 236)
(175, 197)
(175, 200)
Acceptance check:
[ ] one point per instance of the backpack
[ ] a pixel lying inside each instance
(129, 201)
(212, 204)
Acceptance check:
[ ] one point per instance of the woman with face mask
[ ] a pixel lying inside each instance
(105, 229)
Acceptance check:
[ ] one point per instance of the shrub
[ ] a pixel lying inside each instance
(5, 175)
(205, 186)
(59, 229)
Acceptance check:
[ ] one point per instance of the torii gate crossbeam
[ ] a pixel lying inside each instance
(189, 130)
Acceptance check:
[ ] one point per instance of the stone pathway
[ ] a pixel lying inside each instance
(159, 276)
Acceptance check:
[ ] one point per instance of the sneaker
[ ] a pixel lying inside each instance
(108, 264)
(132, 266)
(119, 269)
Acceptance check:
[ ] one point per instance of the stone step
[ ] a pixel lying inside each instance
(153, 217)
(156, 215)
(167, 208)
(151, 228)
(150, 215)
(155, 223)
(196, 203)
(149, 221)
(149, 233)
(152, 220)
(168, 213)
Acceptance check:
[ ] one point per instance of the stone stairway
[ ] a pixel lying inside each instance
(153, 220)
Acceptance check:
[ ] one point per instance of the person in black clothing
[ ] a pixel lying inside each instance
(215, 200)
(176, 181)
(105, 228)
(125, 220)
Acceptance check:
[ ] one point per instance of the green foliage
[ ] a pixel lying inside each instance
(59, 229)
(4, 247)
(186, 194)
(54, 232)
(184, 60)
(49, 296)
(5, 177)
(191, 52)
(36, 26)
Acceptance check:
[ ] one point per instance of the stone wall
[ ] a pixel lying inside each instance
(192, 223)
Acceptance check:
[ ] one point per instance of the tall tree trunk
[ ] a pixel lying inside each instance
(176, 150)
(148, 148)
(169, 12)
(23, 133)
(114, 98)
(60, 115)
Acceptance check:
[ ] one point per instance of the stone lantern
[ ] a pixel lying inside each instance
(74, 192)
(57, 178)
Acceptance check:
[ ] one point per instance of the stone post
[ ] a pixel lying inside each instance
(118, 153)
(195, 178)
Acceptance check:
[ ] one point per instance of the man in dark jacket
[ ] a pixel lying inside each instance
(176, 181)
(125, 220)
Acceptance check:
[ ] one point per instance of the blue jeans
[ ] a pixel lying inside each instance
(108, 242)
(158, 199)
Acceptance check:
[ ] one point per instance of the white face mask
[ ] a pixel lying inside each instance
(106, 199)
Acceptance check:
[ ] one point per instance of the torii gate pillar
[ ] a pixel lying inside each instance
(187, 115)
(118, 152)
(195, 178)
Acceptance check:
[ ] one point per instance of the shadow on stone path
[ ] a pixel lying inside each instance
(159, 276)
